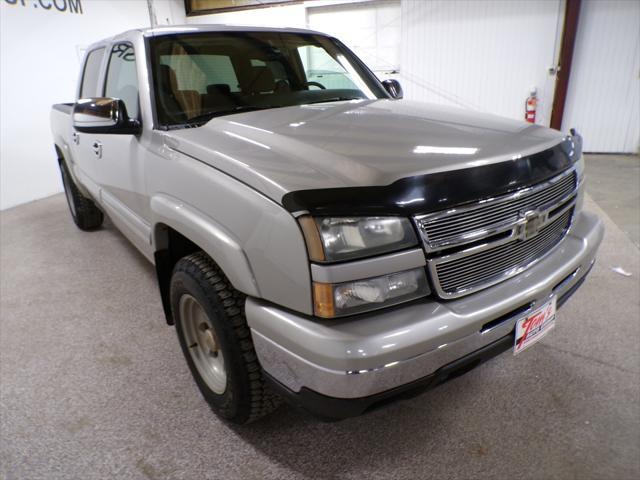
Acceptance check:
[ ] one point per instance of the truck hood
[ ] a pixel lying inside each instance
(360, 143)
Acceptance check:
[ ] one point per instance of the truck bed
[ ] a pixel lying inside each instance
(63, 107)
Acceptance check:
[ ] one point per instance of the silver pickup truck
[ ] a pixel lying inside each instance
(317, 238)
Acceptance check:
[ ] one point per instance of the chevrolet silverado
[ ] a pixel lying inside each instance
(315, 236)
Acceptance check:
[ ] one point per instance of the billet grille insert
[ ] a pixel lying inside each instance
(487, 266)
(463, 225)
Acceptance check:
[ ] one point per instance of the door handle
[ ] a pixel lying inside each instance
(97, 149)
(76, 138)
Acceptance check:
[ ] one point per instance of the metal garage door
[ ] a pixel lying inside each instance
(603, 100)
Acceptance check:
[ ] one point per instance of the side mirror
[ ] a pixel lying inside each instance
(103, 115)
(393, 88)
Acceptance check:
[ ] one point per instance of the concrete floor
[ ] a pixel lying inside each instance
(614, 183)
(93, 384)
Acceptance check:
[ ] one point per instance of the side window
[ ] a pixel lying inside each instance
(89, 87)
(122, 78)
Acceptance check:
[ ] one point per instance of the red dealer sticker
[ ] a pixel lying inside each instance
(533, 327)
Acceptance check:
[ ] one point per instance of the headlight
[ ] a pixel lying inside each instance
(335, 300)
(342, 238)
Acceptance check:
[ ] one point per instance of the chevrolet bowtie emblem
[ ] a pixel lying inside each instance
(530, 224)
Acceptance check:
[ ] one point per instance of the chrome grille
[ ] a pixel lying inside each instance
(490, 266)
(467, 224)
(475, 246)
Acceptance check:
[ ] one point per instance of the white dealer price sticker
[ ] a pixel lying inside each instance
(533, 327)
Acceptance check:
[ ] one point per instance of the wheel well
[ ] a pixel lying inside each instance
(59, 154)
(171, 247)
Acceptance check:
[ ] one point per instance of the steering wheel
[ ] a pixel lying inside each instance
(315, 84)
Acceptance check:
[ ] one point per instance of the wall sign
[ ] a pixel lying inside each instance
(68, 6)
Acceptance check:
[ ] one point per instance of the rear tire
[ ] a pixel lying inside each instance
(84, 212)
(216, 341)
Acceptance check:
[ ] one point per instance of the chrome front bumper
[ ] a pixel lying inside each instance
(373, 353)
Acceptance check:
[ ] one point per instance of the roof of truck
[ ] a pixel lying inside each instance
(194, 28)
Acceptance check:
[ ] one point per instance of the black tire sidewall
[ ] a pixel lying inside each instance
(87, 215)
(68, 185)
(232, 404)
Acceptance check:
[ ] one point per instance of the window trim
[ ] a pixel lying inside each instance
(155, 124)
(106, 73)
(84, 69)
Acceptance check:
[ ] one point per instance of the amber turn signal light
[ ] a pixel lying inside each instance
(323, 300)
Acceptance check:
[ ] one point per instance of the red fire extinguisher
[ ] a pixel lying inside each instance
(530, 107)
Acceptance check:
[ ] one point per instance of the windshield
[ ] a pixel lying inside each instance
(200, 76)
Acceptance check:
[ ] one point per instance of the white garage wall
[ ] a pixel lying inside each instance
(484, 55)
(40, 55)
(603, 101)
(167, 12)
(371, 29)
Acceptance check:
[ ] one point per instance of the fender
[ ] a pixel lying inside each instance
(209, 235)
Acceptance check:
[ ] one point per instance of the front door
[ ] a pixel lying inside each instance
(121, 173)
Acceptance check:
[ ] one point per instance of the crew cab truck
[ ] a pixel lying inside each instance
(316, 237)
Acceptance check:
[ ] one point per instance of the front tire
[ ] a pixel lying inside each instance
(84, 212)
(216, 341)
